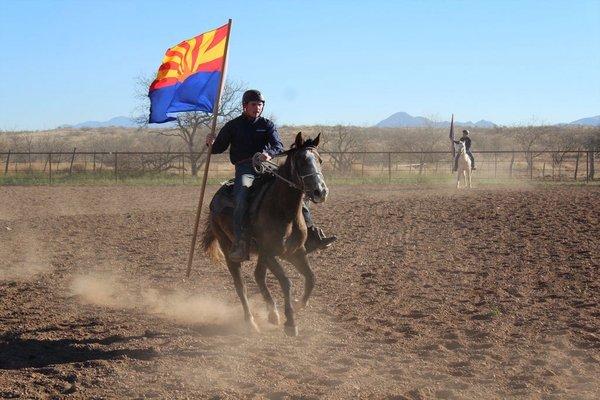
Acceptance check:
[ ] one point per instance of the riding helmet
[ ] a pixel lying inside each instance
(252, 95)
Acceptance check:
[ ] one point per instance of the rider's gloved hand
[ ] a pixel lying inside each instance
(210, 139)
(264, 157)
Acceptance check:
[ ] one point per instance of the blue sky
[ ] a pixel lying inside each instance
(329, 62)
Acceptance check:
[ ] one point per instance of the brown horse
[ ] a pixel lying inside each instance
(278, 230)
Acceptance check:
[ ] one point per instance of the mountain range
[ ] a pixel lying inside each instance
(404, 120)
(124, 122)
(397, 120)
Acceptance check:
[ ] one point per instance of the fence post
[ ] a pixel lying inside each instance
(576, 166)
(50, 168)
(587, 166)
(495, 164)
(72, 159)
(592, 172)
(531, 166)
(116, 166)
(544, 171)
(512, 161)
(94, 159)
(7, 160)
(362, 169)
(421, 164)
(389, 167)
(182, 168)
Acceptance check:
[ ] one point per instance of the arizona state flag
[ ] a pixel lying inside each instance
(189, 76)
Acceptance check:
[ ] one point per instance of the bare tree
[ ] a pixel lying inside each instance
(340, 143)
(591, 142)
(191, 127)
(563, 145)
(530, 138)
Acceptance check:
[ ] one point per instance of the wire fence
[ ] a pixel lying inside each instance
(53, 167)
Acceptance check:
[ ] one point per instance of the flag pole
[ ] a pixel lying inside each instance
(452, 138)
(209, 152)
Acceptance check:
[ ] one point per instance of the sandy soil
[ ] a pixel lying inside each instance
(428, 294)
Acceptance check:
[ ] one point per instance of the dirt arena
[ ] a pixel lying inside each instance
(429, 293)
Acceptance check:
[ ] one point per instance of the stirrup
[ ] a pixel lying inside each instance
(317, 240)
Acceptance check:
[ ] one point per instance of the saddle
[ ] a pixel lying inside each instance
(223, 200)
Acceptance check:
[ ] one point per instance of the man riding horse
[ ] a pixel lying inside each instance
(247, 135)
(467, 141)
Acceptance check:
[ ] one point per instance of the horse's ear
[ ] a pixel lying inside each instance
(299, 140)
(317, 139)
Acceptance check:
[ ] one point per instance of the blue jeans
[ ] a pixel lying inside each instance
(244, 178)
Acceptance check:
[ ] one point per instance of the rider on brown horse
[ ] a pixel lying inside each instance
(246, 135)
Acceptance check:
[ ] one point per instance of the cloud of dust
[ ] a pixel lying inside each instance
(110, 291)
(23, 270)
(21, 256)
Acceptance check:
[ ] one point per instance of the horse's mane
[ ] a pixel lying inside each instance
(306, 144)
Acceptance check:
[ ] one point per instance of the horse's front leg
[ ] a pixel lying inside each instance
(300, 261)
(458, 173)
(286, 287)
(260, 275)
(468, 178)
(236, 272)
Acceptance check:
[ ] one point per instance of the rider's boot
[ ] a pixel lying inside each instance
(316, 239)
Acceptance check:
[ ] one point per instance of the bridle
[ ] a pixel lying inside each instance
(269, 167)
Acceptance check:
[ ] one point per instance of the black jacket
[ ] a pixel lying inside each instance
(467, 141)
(247, 137)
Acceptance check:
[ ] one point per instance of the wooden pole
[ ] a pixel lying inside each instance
(50, 167)
(389, 167)
(362, 169)
(72, 159)
(182, 168)
(495, 165)
(587, 166)
(116, 166)
(576, 166)
(209, 151)
(6, 165)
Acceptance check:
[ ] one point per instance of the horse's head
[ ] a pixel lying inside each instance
(460, 147)
(305, 168)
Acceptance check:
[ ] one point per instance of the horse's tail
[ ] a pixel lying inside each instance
(210, 244)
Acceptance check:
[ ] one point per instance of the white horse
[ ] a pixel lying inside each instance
(464, 165)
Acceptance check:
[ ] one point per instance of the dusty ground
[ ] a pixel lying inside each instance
(428, 294)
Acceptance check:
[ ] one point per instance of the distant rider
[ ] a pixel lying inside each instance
(467, 140)
(246, 135)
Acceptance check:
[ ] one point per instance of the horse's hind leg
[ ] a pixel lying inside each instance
(286, 286)
(236, 272)
(260, 275)
(300, 261)
(468, 177)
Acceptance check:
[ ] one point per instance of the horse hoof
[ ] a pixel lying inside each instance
(274, 317)
(299, 305)
(291, 331)
(252, 327)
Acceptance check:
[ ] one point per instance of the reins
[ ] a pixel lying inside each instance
(269, 167)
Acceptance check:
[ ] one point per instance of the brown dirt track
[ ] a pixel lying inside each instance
(428, 294)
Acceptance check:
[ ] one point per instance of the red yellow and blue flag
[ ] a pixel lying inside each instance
(189, 76)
